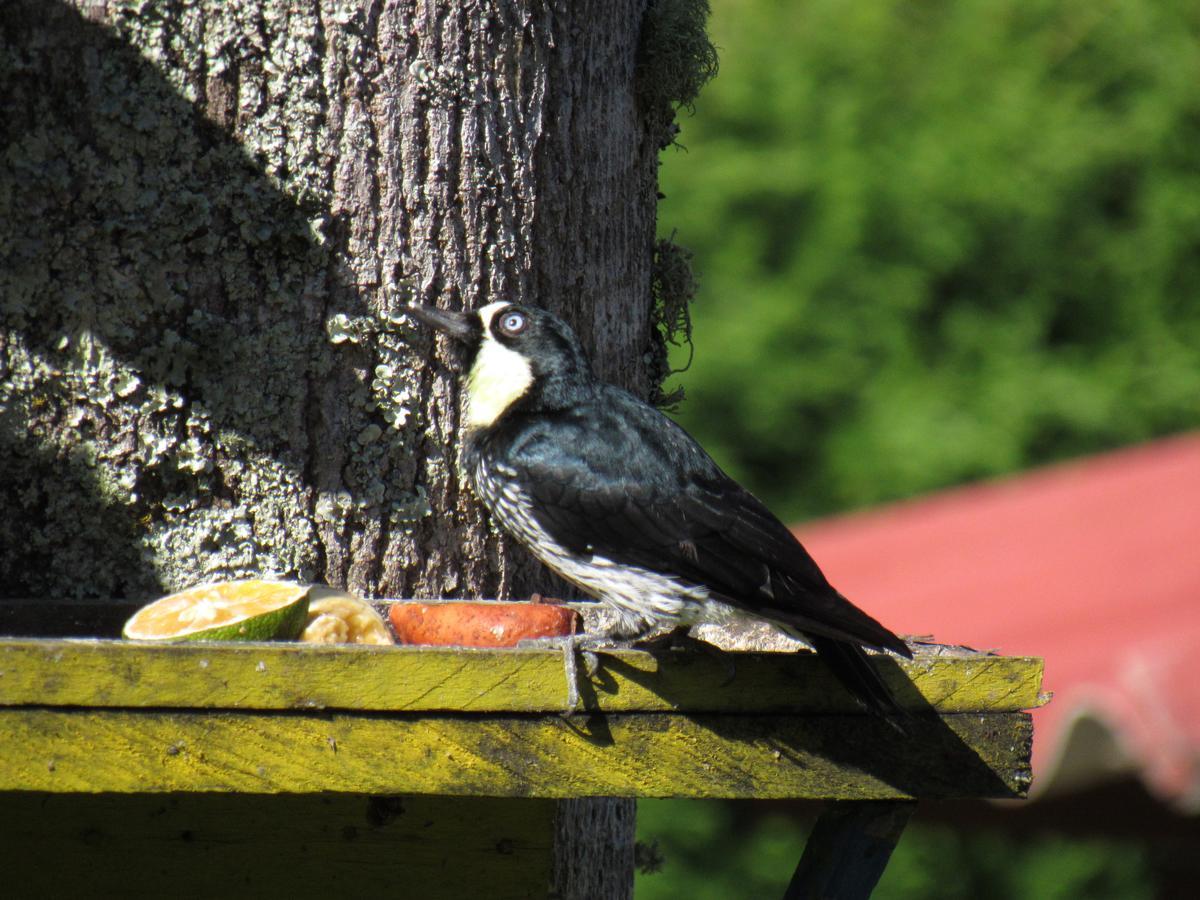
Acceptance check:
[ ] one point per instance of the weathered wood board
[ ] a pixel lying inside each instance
(219, 845)
(106, 673)
(627, 755)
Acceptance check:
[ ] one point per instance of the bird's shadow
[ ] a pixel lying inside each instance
(924, 758)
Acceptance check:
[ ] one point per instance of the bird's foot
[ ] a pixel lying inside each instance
(585, 645)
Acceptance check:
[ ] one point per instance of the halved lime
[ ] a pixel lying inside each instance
(252, 610)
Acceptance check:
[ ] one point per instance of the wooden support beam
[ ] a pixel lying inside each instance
(848, 849)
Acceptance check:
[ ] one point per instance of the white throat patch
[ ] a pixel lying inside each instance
(498, 378)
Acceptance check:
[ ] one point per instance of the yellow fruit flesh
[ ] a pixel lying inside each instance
(335, 617)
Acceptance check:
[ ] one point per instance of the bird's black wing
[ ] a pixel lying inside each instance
(616, 478)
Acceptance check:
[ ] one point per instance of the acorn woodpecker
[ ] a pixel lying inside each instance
(619, 500)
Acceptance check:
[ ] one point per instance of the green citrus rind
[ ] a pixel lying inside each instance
(282, 622)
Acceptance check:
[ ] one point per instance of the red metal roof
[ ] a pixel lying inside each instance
(1093, 565)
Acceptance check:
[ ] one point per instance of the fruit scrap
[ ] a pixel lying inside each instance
(250, 610)
(480, 624)
(335, 617)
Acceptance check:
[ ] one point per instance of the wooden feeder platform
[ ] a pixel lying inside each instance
(278, 768)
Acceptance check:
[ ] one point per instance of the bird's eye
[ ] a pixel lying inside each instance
(513, 323)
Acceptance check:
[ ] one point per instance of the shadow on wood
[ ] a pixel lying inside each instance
(942, 756)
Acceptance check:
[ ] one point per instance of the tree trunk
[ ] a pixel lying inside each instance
(208, 208)
(207, 211)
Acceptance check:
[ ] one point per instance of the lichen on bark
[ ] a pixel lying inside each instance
(207, 214)
(160, 297)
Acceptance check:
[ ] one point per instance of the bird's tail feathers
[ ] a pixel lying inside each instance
(854, 669)
(830, 614)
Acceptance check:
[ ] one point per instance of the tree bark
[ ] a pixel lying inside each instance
(207, 211)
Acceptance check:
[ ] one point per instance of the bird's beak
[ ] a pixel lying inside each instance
(461, 326)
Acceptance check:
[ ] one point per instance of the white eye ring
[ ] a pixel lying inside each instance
(512, 323)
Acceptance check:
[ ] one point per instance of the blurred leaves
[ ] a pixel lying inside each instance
(939, 242)
(715, 851)
(936, 242)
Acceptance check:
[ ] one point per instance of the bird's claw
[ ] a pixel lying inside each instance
(569, 645)
(571, 670)
(591, 662)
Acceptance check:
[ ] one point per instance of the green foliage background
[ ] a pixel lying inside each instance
(936, 241)
(722, 851)
(939, 241)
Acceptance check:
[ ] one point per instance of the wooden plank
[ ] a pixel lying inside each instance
(217, 845)
(848, 849)
(640, 755)
(299, 676)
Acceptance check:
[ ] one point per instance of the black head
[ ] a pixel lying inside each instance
(520, 353)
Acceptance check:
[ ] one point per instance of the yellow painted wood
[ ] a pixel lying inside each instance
(220, 845)
(98, 673)
(638, 755)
